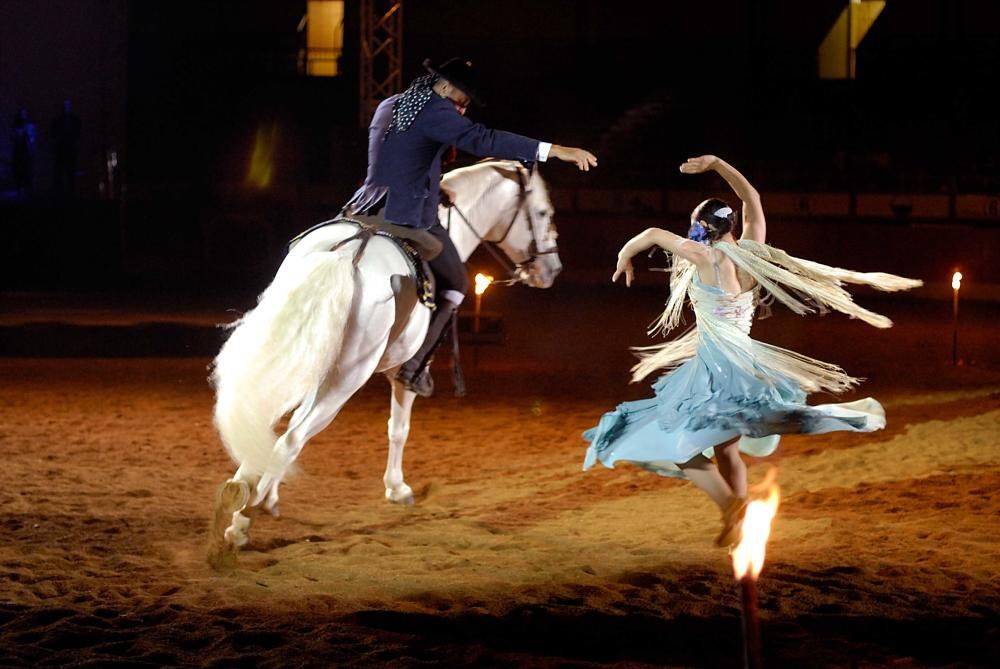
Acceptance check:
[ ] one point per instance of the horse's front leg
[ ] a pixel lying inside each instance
(396, 489)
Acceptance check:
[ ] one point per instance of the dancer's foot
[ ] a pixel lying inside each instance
(732, 522)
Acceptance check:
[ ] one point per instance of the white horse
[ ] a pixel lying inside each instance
(325, 325)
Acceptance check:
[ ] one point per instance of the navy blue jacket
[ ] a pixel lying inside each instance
(408, 164)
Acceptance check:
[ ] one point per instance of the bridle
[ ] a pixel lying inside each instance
(515, 271)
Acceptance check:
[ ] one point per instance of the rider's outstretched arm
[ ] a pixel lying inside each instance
(447, 127)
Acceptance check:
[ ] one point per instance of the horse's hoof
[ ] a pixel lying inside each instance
(273, 510)
(236, 538)
(228, 532)
(402, 496)
(234, 496)
(237, 534)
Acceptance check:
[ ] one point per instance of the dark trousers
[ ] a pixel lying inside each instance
(448, 268)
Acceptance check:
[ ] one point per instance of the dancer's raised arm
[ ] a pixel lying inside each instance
(754, 225)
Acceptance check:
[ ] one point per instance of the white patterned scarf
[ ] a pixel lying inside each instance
(411, 102)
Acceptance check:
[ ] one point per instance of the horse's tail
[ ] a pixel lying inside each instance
(279, 353)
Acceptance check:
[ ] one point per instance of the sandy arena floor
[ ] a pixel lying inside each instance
(885, 551)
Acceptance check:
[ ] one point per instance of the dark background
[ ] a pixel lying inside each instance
(181, 242)
(180, 89)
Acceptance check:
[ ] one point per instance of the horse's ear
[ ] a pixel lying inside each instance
(508, 171)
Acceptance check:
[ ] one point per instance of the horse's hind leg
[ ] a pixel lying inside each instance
(230, 527)
(396, 489)
(330, 400)
(270, 499)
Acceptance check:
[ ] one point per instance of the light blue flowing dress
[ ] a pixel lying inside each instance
(733, 386)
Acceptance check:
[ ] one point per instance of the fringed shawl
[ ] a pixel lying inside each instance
(801, 285)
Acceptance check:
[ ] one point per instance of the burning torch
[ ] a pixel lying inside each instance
(956, 284)
(483, 282)
(748, 560)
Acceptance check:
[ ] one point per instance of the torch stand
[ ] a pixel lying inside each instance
(751, 624)
(954, 328)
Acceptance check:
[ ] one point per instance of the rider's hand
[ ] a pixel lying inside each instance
(699, 164)
(624, 267)
(583, 159)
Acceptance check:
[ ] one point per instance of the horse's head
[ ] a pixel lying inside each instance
(504, 203)
(530, 239)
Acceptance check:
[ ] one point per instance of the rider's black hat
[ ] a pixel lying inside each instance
(460, 73)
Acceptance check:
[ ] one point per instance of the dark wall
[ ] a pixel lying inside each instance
(204, 77)
(56, 49)
(182, 88)
(626, 77)
(644, 83)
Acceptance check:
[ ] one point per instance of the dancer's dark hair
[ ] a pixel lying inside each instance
(715, 216)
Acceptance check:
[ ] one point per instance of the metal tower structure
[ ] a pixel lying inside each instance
(381, 54)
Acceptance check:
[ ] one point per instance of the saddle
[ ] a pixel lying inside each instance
(417, 246)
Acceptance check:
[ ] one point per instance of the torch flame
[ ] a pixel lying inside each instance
(956, 280)
(748, 556)
(483, 282)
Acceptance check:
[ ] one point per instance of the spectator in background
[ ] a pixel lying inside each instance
(23, 139)
(66, 145)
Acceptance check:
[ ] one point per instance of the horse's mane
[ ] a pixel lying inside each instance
(497, 171)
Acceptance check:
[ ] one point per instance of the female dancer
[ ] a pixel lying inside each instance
(726, 392)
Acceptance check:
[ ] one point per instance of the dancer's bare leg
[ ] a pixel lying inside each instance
(731, 467)
(704, 474)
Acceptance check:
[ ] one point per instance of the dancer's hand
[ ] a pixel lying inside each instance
(624, 267)
(583, 159)
(699, 164)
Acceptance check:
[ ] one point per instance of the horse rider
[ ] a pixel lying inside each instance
(407, 137)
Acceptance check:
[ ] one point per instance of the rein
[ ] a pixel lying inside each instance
(516, 271)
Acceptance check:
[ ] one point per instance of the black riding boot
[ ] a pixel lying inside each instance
(415, 373)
